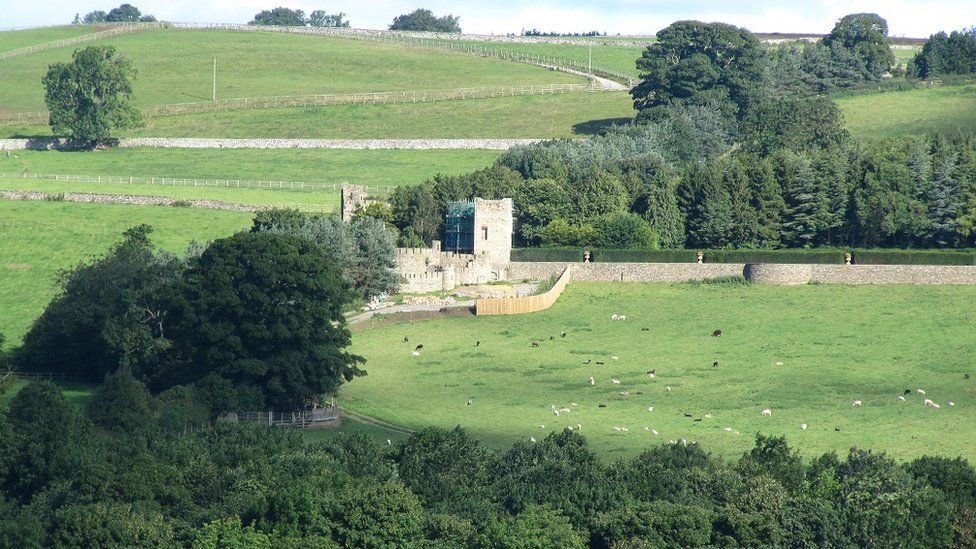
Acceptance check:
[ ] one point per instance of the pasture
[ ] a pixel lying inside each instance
(946, 109)
(176, 67)
(38, 239)
(15, 39)
(836, 344)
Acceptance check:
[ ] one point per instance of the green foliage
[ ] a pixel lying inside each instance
(229, 533)
(797, 125)
(537, 527)
(377, 515)
(945, 54)
(695, 63)
(424, 20)
(279, 16)
(108, 525)
(625, 230)
(126, 13)
(547, 254)
(865, 37)
(815, 256)
(912, 257)
(319, 18)
(90, 97)
(257, 318)
(655, 524)
(93, 17)
(121, 404)
(561, 233)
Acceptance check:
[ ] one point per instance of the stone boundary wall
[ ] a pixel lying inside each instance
(527, 304)
(350, 144)
(780, 274)
(138, 200)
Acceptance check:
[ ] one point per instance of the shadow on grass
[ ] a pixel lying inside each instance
(594, 127)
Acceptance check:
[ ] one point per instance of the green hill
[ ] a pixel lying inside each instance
(946, 109)
(15, 39)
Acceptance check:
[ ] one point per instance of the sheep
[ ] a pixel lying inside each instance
(535, 343)
(562, 334)
(470, 402)
(600, 363)
(936, 406)
(624, 393)
(542, 426)
(531, 439)
(672, 442)
(645, 329)
(601, 405)
(684, 442)
(727, 429)
(651, 375)
(901, 398)
(587, 361)
(779, 363)
(951, 403)
(592, 381)
(803, 426)
(622, 317)
(415, 353)
(688, 415)
(654, 432)
(650, 408)
(565, 410)
(717, 333)
(624, 429)
(389, 442)
(927, 402)
(715, 364)
(668, 388)
(698, 419)
(552, 338)
(406, 339)
(555, 413)
(614, 316)
(615, 357)
(573, 404)
(920, 391)
(615, 381)
(965, 376)
(908, 392)
(615, 428)
(419, 347)
(579, 427)
(709, 416)
(477, 344)
(767, 412)
(856, 403)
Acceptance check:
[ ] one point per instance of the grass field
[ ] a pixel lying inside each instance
(942, 109)
(373, 167)
(12, 40)
(37, 239)
(176, 67)
(836, 343)
(564, 115)
(621, 59)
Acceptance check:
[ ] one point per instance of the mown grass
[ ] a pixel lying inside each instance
(176, 67)
(541, 116)
(37, 239)
(372, 167)
(945, 109)
(15, 39)
(836, 343)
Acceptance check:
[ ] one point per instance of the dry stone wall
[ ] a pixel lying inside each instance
(217, 143)
(625, 272)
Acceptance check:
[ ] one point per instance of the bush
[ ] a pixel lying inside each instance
(833, 256)
(913, 257)
(643, 256)
(547, 254)
(625, 230)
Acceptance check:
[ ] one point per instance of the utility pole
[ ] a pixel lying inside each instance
(214, 95)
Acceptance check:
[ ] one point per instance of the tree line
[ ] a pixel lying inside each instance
(732, 148)
(126, 471)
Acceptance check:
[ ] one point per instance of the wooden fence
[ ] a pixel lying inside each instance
(297, 420)
(521, 305)
(64, 42)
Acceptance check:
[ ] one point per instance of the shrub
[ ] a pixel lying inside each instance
(625, 230)
(547, 254)
(913, 257)
(830, 256)
(643, 256)
(561, 233)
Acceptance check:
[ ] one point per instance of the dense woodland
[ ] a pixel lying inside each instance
(740, 154)
(124, 472)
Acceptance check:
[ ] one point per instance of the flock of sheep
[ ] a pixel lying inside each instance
(557, 411)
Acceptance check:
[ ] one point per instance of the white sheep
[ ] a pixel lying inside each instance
(803, 426)
(927, 402)
(856, 403)
(415, 353)
(767, 412)
(615, 381)
(615, 357)
(668, 388)
(592, 381)
(684, 442)
(579, 427)
(650, 408)
(901, 398)
(779, 363)
(654, 432)
(951, 403)
(555, 413)
(624, 429)
(936, 406)
(727, 429)
(650, 375)
(622, 317)
(531, 439)
(573, 404)
(565, 410)
(614, 316)
(542, 426)
(709, 416)
(920, 391)
(615, 428)
(624, 393)
(389, 442)
(736, 433)
(672, 442)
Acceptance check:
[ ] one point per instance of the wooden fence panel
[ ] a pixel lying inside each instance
(522, 305)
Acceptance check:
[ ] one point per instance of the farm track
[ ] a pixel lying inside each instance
(355, 416)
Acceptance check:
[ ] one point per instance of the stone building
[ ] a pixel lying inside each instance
(354, 198)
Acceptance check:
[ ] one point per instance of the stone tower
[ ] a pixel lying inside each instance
(354, 197)
(493, 232)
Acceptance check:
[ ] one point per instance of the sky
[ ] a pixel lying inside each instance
(911, 18)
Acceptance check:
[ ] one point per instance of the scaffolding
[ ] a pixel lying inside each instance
(459, 227)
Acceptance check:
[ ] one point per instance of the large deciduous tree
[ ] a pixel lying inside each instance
(695, 63)
(425, 20)
(319, 18)
(865, 36)
(91, 97)
(279, 16)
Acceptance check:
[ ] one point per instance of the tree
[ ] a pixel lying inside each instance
(97, 16)
(416, 207)
(946, 54)
(229, 533)
(806, 203)
(279, 16)
(259, 314)
(121, 404)
(864, 36)
(125, 13)
(695, 63)
(537, 527)
(625, 230)
(539, 202)
(319, 18)
(595, 193)
(105, 524)
(377, 515)
(944, 203)
(91, 97)
(425, 21)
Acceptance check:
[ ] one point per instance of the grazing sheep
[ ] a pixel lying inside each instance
(601, 405)
(651, 375)
(803, 426)
(654, 432)
(836, 429)
(645, 329)
(592, 381)
(615, 357)
(579, 427)
(668, 388)
(965, 376)
(477, 344)
(552, 338)
(614, 316)
(470, 402)
(684, 442)
(565, 410)
(615, 428)
(555, 413)
(562, 334)
(573, 404)
(736, 433)
(951, 403)
(709, 416)
(715, 364)
(542, 426)
(624, 393)
(901, 398)
(717, 333)
(779, 363)
(698, 419)
(727, 429)
(535, 343)
(600, 363)
(531, 439)
(908, 392)
(688, 415)
(419, 347)
(927, 402)
(767, 412)
(389, 442)
(650, 408)
(615, 381)
(624, 429)
(672, 442)
(920, 391)
(622, 317)
(406, 339)
(936, 406)
(415, 353)
(856, 403)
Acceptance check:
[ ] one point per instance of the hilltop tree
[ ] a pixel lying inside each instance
(279, 16)
(126, 13)
(319, 18)
(864, 36)
(425, 20)
(91, 97)
(695, 63)
(92, 17)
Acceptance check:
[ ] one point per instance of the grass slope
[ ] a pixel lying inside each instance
(15, 39)
(37, 239)
(176, 67)
(621, 59)
(837, 343)
(942, 109)
(545, 116)
(373, 167)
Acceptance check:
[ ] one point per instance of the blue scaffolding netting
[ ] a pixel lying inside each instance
(459, 227)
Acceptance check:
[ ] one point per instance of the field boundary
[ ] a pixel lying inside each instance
(335, 99)
(65, 42)
(526, 304)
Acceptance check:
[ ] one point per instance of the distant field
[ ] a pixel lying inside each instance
(176, 67)
(37, 239)
(565, 115)
(942, 109)
(836, 343)
(622, 59)
(372, 167)
(12, 40)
